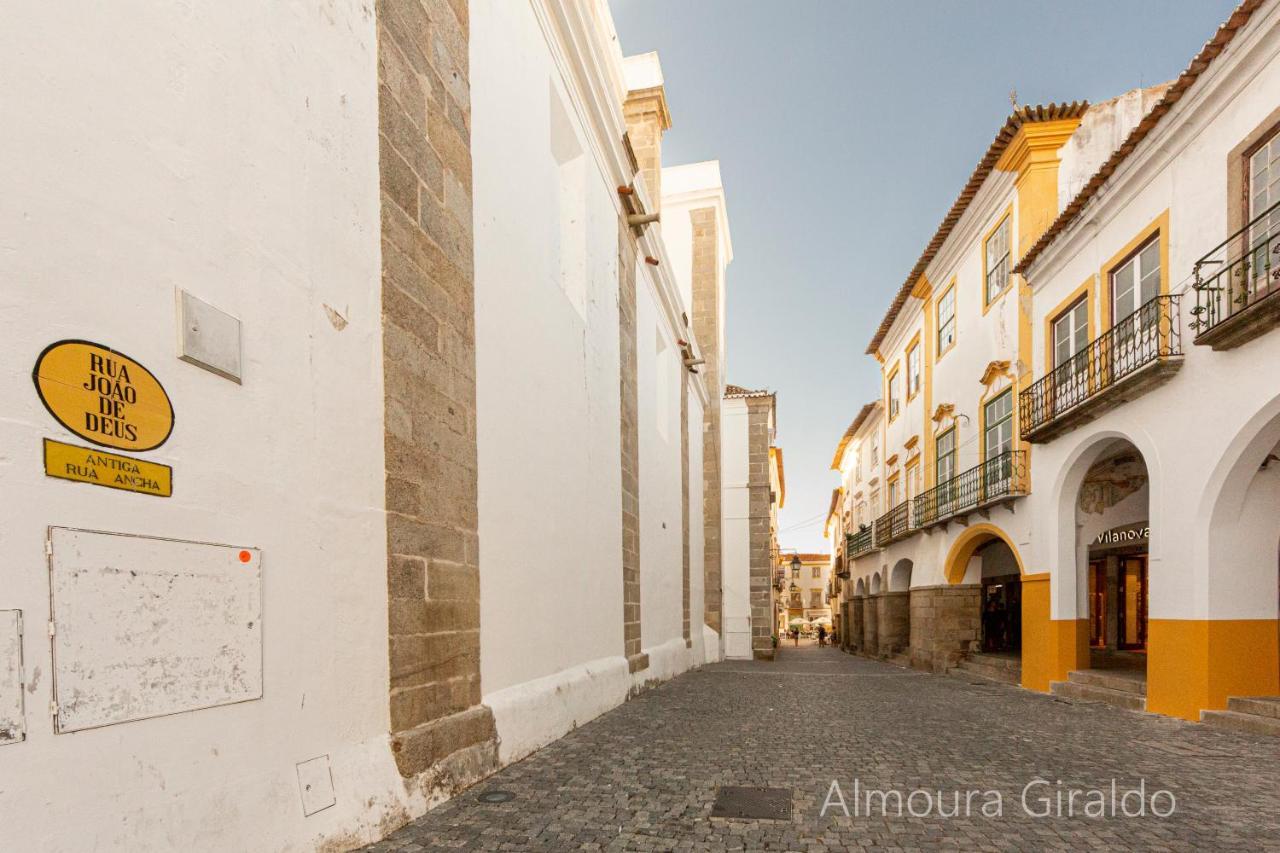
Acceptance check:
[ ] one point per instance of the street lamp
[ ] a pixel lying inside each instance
(795, 565)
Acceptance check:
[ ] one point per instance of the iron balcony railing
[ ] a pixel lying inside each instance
(1247, 268)
(857, 544)
(894, 524)
(999, 477)
(1150, 334)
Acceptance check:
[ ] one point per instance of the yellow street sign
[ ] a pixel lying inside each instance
(86, 465)
(103, 396)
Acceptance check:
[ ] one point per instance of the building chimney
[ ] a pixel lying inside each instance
(645, 112)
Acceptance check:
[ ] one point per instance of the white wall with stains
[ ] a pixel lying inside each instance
(229, 150)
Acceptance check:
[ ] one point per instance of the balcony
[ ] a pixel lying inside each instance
(1239, 301)
(1136, 354)
(894, 525)
(998, 479)
(860, 543)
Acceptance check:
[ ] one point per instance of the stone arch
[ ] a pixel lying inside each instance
(860, 588)
(967, 544)
(900, 576)
(1064, 552)
(876, 584)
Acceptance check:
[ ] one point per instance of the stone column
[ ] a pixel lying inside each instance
(893, 622)
(629, 389)
(854, 641)
(870, 626)
(440, 733)
(706, 327)
(945, 622)
(760, 502)
(647, 118)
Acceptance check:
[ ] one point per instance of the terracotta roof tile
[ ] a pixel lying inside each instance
(739, 391)
(1023, 115)
(849, 433)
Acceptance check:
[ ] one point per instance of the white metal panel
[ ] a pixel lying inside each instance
(315, 784)
(13, 726)
(144, 627)
(209, 337)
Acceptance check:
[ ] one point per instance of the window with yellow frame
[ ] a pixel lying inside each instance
(996, 260)
(895, 403)
(946, 320)
(914, 370)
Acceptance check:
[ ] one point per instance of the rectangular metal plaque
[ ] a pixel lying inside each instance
(99, 468)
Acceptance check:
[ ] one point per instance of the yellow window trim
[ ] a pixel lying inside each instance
(1158, 227)
(982, 417)
(1087, 290)
(1013, 253)
(939, 433)
(955, 313)
(913, 344)
(888, 393)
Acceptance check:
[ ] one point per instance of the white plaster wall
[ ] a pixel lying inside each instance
(736, 539)
(232, 153)
(1191, 430)
(546, 381)
(1103, 129)
(661, 500)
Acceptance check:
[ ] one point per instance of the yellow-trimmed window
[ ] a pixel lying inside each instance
(895, 403)
(1136, 281)
(913, 370)
(947, 320)
(996, 251)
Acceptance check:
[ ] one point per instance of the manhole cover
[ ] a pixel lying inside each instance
(497, 797)
(752, 803)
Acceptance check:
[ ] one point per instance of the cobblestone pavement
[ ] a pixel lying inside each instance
(644, 776)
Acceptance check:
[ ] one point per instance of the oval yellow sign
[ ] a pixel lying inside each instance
(103, 396)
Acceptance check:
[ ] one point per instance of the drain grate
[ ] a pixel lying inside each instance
(752, 803)
(495, 796)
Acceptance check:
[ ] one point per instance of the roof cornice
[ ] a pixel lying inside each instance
(1006, 134)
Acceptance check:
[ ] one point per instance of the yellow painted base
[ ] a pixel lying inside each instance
(1050, 647)
(1194, 665)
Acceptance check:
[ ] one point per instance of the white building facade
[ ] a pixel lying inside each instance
(1076, 491)
(401, 394)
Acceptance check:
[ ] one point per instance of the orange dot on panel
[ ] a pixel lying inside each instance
(245, 556)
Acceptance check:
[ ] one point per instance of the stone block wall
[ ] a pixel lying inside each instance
(760, 534)
(706, 327)
(945, 620)
(629, 388)
(854, 642)
(893, 622)
(441, 734)
(870, 626)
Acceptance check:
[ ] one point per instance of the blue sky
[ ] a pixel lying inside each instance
(844, 131)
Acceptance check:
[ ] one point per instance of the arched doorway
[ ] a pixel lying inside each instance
(1114, 540)
(984, 563)
(1239, 642)
(1098, 649)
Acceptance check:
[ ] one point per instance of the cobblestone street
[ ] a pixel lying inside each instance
(644, 776)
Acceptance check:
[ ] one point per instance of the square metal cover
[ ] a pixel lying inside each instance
(747, 803)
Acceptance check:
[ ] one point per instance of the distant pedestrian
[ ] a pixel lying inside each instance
(822, 635)
(795, 636)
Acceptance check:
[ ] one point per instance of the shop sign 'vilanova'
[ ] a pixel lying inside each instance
(103, 396)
